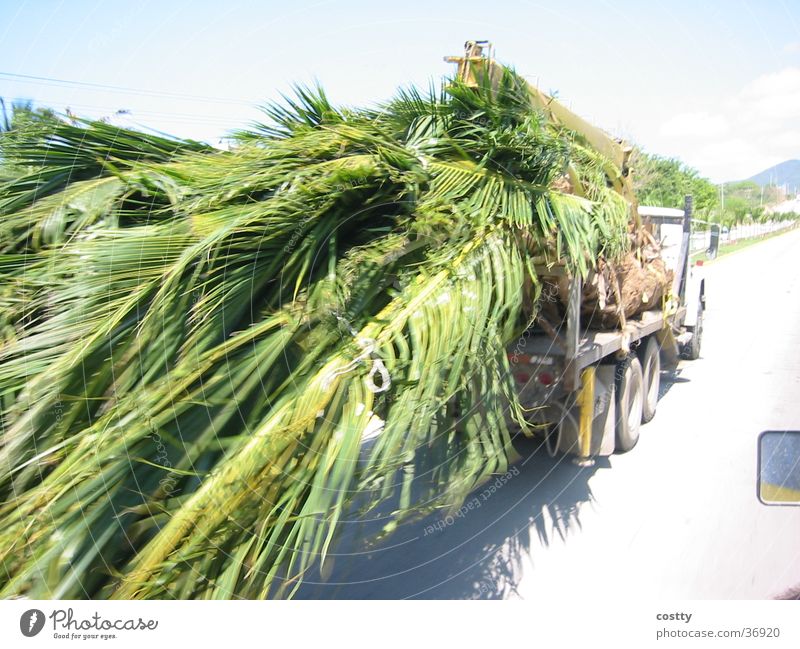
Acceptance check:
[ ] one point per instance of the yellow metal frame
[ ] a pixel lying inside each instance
(475, 63)
(586, 413)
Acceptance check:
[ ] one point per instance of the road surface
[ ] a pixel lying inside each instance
(677, 517)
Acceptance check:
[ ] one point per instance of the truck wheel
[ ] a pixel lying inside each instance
(630, 395)
(692, 350)
(651, 374)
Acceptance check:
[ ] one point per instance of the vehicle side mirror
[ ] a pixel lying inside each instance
(779, 467)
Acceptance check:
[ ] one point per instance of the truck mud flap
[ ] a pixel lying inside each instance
(603, 418)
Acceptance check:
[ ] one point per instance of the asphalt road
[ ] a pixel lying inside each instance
(677, 517)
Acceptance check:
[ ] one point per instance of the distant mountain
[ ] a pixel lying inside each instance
(786, 173)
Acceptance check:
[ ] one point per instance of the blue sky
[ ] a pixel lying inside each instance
(714, 83)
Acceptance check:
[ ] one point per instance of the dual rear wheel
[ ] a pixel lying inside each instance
(637, 385)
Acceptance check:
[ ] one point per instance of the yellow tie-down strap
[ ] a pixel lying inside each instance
(669, 307)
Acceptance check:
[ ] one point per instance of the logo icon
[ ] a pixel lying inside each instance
(31, 622)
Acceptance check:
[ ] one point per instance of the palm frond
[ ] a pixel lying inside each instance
(194, 343)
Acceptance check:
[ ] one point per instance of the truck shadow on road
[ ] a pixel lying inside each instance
(477, 553)
(670, 378)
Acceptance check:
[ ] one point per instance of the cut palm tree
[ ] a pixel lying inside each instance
(194, 342)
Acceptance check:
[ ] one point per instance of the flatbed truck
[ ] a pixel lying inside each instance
(589, 391)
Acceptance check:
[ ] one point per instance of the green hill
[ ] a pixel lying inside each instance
(787, 172)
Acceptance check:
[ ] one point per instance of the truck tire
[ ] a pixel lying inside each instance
(651, 375)
(692, 350)
(630, 395)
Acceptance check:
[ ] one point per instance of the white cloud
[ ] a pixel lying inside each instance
(792, 48)
(755, 128)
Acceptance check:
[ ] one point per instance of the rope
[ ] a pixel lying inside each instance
(368, 351)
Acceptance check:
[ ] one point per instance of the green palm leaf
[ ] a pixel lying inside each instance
(195, 343)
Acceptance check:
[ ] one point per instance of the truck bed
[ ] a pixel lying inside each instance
(595, 345)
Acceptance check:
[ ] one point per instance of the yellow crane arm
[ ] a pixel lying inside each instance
(478, 61)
